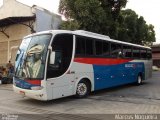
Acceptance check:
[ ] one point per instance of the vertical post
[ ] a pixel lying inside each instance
(8, 51)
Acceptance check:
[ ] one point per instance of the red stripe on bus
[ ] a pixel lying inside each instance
(34, 82)
(101, 61)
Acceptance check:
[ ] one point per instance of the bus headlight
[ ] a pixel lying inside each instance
(36, 88)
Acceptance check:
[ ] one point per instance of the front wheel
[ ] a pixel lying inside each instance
(83, 89)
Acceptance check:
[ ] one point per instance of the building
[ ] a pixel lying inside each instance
(156, 55)
(18, 20)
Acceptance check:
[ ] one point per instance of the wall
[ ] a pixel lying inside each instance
(16, 33)
(156, 55)
(12, 8)
(46, 20)
(43, 21)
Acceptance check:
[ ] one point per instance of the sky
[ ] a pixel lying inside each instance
(147, 8)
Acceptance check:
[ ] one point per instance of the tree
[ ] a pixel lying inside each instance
(134, 29)
(71, 25)
(106, 17)
(91, 15)
(127, 26)
(150, 35)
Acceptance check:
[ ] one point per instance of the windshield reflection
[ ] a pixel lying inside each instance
(31, 61)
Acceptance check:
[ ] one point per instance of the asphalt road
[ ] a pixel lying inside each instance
(127, 99)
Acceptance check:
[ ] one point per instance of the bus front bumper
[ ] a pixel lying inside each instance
(35, 94)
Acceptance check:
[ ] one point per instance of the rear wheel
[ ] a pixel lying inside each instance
(83, 89)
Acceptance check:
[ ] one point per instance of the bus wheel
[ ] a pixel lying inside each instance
(139, 80)
(83, 89)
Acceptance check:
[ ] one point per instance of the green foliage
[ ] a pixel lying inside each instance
(100, 17)
(91, 15)
(70, 25)
(150, 35)
(134, 29)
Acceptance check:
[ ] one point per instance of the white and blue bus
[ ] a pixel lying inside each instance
(60, 63)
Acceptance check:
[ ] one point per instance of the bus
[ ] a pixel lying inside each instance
(59, 63)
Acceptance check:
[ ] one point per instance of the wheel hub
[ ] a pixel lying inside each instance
(81, 89)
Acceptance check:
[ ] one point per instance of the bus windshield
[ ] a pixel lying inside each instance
(31, 60)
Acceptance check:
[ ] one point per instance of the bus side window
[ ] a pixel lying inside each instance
(116, 50)
(149, 54)
(80, 46)
(106, 49)
(62, 45)
(136, 52)
(89, 47)
(143, 53)
(127, 51)
(99, 47)
(58, 61)
(84, 46)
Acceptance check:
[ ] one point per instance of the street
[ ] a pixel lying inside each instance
(127, 99)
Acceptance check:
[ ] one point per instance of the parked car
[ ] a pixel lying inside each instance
(155, 68)
(6, 80)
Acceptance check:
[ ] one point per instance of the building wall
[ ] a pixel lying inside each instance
(156, 62)
(12, 8)
(45, 20)
(16, 33)
(156, 59)
(56, 21)
(156, 56)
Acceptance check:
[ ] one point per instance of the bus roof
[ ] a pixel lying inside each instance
(87, 34)
(107, 38)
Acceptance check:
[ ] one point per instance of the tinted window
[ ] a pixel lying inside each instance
(99, 47)
(136, 52)
(80, 46)
(116, 50)
(127, 51)
(106, 48)
(84, 46)
(143, 53)
(149, 54)
(62, 45)
(89, 47)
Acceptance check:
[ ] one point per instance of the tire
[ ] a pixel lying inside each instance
(139, 80)
(83, 89)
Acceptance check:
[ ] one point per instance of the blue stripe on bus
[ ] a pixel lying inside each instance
(114, 75)
(23, 84)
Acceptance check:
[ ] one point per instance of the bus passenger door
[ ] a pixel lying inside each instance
(59, 82)
(59, 78)
(61, 87)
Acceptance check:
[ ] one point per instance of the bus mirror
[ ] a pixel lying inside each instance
(52, 58)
